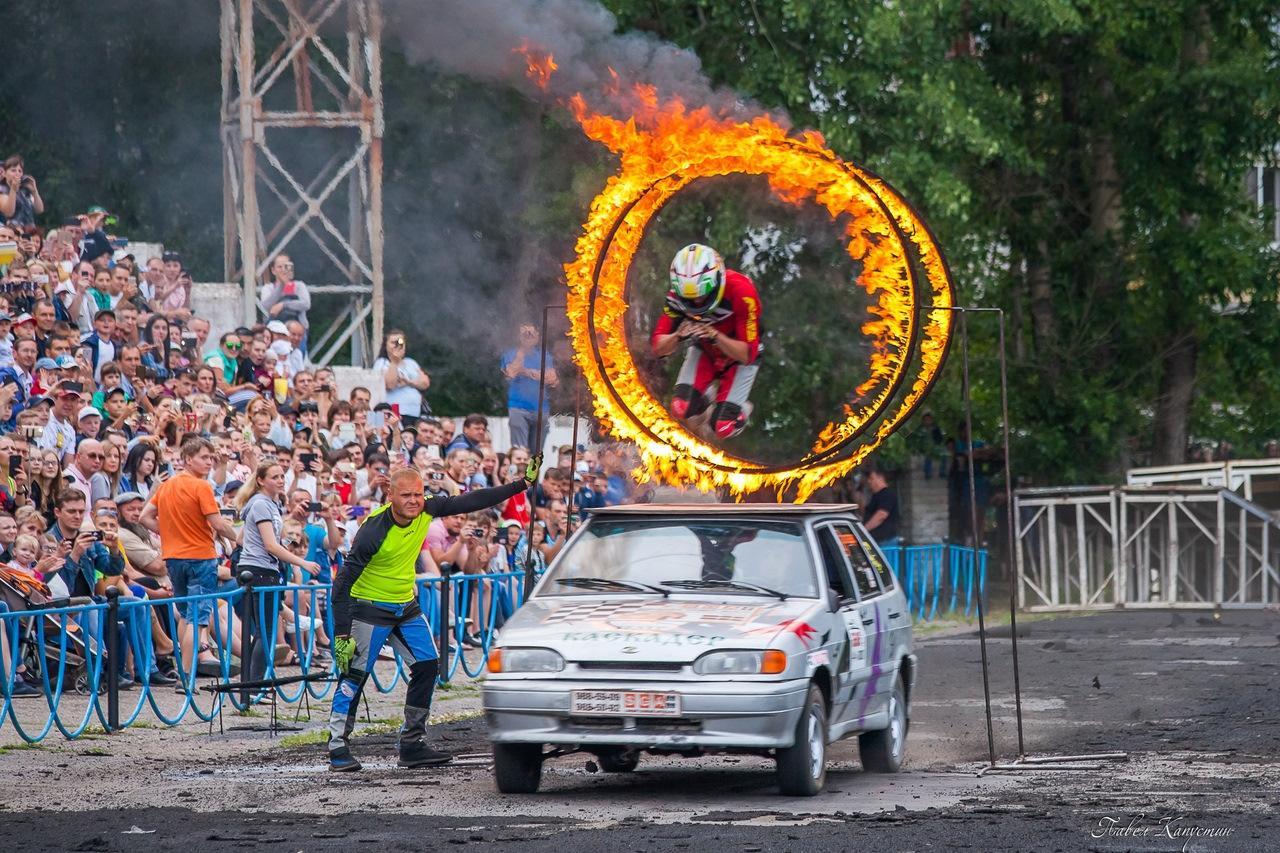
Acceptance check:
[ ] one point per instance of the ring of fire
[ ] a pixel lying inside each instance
(663, 149)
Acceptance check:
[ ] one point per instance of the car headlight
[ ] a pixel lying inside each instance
(769, 662)
(524, 660)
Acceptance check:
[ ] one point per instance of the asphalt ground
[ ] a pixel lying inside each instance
(1188, 696)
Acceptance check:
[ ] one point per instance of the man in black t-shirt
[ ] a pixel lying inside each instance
(880, 516)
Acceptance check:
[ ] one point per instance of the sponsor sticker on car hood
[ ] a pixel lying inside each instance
(657, 629)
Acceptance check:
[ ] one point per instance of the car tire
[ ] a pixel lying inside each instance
(802, 767)
(618, 760)
(517, 767)
(883, 751)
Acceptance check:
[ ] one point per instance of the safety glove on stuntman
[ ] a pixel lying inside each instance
(344, 649)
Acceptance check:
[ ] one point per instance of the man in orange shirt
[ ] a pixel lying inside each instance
(185, 513)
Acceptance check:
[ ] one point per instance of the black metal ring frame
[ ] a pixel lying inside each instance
(910, 350)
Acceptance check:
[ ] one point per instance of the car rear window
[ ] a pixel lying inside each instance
(768, 554)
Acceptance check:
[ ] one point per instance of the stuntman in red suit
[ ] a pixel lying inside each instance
(717, 311)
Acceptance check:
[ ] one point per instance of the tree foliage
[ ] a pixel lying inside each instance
(1083, 163)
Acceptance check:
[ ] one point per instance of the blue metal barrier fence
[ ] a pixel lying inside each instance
(67, 651)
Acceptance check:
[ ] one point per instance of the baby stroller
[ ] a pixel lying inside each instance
(22, 593)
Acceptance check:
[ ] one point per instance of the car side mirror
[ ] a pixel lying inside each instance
(833, 600)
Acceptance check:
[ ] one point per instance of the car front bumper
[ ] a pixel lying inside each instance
(721, 714)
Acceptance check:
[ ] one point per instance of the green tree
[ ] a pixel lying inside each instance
(1083, 165)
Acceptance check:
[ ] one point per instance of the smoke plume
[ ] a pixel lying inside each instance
(483, 39)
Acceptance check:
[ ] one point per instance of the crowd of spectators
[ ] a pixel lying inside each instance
(132, 443)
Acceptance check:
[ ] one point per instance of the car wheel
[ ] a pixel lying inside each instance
(517, 767)
(802, 767)
(882, 751)
(618, 760)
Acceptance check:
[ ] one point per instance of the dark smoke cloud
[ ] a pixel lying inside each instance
(482, 39)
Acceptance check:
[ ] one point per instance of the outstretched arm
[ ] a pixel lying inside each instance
(473, 501)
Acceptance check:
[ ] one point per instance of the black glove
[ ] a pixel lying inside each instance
(532, 469)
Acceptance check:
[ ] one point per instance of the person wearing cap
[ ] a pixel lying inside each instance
(24, 327)
(95, 245)
(119, 411)
(101, 347)
(140, 546)
(434, 480)
(60, 433)
(47, 375)
(88, 423)
(585, 496)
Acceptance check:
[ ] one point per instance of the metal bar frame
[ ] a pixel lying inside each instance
(350, 185)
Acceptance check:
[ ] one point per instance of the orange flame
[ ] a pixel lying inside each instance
(663, 148)
(541, 64)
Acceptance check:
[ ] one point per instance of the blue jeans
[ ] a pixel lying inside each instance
(523, 427)
(194, 577)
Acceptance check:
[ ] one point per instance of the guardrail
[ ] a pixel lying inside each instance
(932, 573)
(80, 680)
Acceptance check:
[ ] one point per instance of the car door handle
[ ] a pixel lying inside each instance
(867, 621)
(894, 615)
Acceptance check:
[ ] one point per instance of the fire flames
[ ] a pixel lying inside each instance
(665, 146)
(540, 64)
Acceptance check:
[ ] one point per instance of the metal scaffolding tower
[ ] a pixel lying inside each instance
(307, 161)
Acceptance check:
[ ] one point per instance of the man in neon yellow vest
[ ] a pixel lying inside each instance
(375, 602)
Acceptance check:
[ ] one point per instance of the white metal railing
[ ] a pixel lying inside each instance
(1172, 546)
(1237, 475)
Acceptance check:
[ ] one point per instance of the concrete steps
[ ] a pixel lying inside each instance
(924, 505)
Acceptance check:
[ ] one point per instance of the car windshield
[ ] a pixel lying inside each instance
(731, 556)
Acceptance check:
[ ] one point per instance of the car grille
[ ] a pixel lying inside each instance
(631, 665)
(617, 724)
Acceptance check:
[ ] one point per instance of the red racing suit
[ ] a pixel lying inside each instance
(737, 316)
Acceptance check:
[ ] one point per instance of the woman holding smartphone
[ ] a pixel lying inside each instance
(261, 552)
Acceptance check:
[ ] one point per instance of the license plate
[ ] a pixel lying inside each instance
(624, 703)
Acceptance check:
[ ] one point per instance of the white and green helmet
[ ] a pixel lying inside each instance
(697, 278)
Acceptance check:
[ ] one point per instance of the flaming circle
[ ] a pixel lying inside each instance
(664, 148)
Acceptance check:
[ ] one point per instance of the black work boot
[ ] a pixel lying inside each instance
(418, 754)
(342, 761)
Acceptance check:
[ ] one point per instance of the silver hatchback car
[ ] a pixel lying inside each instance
(688, 630)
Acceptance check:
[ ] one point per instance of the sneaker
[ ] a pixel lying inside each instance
(22, 690)
(342, 761)
(421, 755)
(472, 640)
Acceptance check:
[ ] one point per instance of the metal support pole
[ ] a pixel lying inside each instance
(446, 597)
(973, 515)
(533, 487)
(1010, 521)
(248, 600)
(573, 448)
(110, 659)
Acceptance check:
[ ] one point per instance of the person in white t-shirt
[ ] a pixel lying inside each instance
(404, 379)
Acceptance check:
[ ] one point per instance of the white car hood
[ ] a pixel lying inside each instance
(679, 628)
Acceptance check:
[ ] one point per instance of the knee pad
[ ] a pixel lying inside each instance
(422, 683)
(729, 420)
(687, 402)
